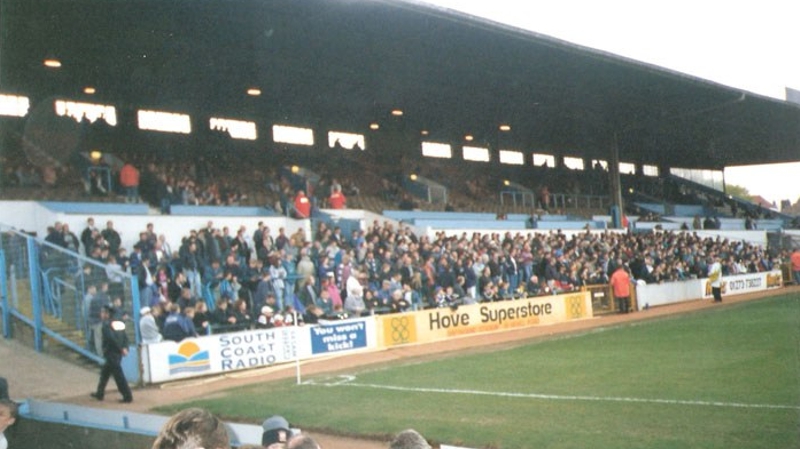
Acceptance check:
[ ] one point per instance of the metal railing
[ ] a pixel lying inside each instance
(50, 289)
(557, 200)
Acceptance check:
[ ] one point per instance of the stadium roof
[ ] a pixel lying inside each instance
(345, 63)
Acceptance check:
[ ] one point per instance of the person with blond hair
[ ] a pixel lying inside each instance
(409, 439)
(193, 428)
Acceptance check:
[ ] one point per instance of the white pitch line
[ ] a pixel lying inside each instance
(347, 382)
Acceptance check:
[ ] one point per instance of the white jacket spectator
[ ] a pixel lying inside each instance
(148, 327)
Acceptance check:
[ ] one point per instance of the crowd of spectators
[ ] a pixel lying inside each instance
(219, 280)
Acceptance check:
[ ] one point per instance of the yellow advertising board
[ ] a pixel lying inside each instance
(439, 324)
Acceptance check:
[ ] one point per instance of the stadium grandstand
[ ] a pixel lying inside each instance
(445, 161)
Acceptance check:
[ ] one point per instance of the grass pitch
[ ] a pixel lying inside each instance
(727, 377)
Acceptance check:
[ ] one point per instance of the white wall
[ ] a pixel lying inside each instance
(31, 216)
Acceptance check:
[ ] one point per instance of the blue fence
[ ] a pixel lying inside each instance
(51, 290)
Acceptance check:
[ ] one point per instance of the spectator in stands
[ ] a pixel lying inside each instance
(406, 203)
(263, 289)
(192, 428)
(192, 263)
(264, 320)
(176, 286)
(186, 299)
(354, 287)
(544, 198)
(178, 324)
(222, 318)
(88, 236)
(93, 305)
(111, 236)
(69, 238)
(8, 416)
(443, 298)
(202, 318)
(337, 200)
(409, 439)
(399, 303)
(371, 302)
(532, 286)
(213, 275)
(259, 240)
(321, 308)
(305, 267)
(389, 190)
(329, 286)
(278, 276)
(302, 205)
(308, 293)
(242, 315)
(229, 286)
(54, 235)
(148, 327)
(129, 181)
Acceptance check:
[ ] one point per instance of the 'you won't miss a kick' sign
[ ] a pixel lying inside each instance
(334, 337)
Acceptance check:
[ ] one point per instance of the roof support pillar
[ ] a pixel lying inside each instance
(615, 186)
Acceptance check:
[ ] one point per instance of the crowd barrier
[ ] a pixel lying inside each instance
(119, 421)
(650, 295)
(48, 424)
(222, 353)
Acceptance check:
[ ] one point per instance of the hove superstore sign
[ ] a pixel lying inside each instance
(439, 324)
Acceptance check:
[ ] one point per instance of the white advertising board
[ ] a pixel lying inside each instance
(674, 292)
(215, 354)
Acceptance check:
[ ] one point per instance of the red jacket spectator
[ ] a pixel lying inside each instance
(129, 176)
(129, 180)
(621, 283)
(302, 205)
(337, 200)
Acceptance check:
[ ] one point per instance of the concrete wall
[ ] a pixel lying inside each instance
(35, 217)
(30, 434)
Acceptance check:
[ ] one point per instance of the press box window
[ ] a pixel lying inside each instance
(440, 150)
(237, 129)
(293, 135)
(348, 141)
(164, 121)
(91, 111)
(511, 157)
(14, 106)
(478, 154)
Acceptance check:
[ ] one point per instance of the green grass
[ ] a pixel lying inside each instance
(743, 357)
